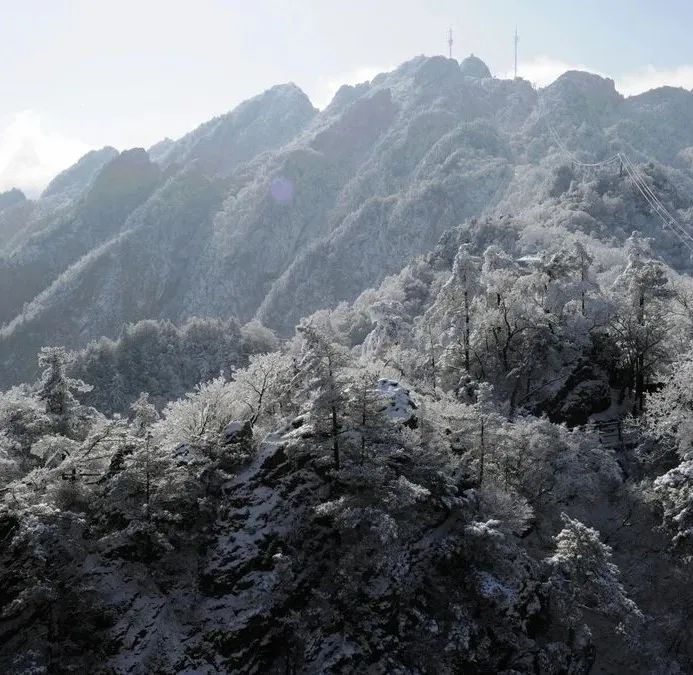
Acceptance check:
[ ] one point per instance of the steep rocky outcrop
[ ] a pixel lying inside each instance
(72, 182)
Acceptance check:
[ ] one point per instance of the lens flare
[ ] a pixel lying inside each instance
(282, 190)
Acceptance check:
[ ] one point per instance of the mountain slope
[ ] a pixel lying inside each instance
(302, 210)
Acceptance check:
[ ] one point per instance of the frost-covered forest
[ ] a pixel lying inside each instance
(395, 387)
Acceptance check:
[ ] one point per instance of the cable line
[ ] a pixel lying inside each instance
(680, 231)
(574, 159)
(655, 203)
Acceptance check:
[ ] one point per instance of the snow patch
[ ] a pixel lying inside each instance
(401, 405)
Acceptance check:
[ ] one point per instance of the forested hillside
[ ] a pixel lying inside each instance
(414, 482)
(276, 210)
(395, 387)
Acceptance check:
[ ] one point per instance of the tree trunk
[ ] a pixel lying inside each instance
(363, 429)
(433, 360)
(640, 368)
(640, 383)
(482, 455)
(335, 438)
(147, 485)
(466, 330)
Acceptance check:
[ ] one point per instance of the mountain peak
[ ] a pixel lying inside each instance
(586, 83)
(122, 184)
(473, 66)
(10, 198)
(264, 122)
(75, 179)
(289, 89)
(585, 92)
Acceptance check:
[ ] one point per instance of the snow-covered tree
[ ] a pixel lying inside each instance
(57, 390)
(585, 578)
(641, 323)
(44, 588)
(261, 385)
(200, 417)
(451, 316)
(23, 421)
(150, 497)
(144, 415)
(321, 375)
(366, 411)
(667, 426)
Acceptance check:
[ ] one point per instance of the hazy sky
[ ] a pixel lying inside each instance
(81, 74)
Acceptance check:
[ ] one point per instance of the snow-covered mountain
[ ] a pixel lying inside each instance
(472, 456)
(276, 210)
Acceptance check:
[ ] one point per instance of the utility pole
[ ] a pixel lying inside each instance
(450, 42)
(516, 40)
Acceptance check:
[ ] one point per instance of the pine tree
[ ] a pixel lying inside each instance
(144, 414)
(320, 368)
(365, 411)
(584, 576)
(458, 293)
(641, 323)
(56, 390)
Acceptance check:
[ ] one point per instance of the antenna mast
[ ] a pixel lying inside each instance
(450, 42)
(516, 40)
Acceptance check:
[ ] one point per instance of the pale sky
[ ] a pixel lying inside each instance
(81, 74)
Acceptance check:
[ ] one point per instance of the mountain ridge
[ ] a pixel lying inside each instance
(310, 208)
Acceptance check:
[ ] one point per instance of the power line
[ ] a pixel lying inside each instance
(681, 232)
(669, 221)
(573, 158)
(660, 208)
(647, 188)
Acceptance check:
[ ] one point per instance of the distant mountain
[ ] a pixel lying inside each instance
(63, 235)
(11, 198)
(275, 210)
(14, 210)
(72, 182)
(263, 123)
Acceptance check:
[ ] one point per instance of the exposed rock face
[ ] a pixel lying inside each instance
(273, 581)
(123, 184)
(72, 182)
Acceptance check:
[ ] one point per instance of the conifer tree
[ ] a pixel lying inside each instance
(57, 389)
(321, 369)
(641, 323)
